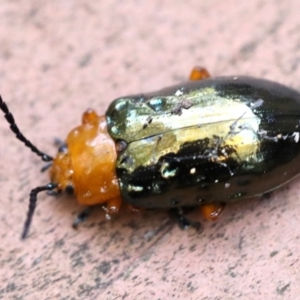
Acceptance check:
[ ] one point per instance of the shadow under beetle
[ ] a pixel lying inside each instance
(202, 143)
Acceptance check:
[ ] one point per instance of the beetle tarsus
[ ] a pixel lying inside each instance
(184, 222)
(81, 217)
(46, 167)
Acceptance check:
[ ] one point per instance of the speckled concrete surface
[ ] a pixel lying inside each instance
(57, 58)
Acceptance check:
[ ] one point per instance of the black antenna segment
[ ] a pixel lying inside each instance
(15, 129)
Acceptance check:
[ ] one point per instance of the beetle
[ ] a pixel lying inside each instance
(205, 142)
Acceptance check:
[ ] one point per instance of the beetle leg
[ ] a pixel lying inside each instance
(112, 207)
(267, 195)
(46, 167)
(199, 73)
(81, 217)
(183, 221)
(212, 211)
(58, 142)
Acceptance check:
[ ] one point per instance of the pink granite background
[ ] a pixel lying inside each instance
(57, 58)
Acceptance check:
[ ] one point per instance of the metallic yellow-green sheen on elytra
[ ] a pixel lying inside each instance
(205, 141)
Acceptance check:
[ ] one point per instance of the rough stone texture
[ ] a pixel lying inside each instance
(57, 58)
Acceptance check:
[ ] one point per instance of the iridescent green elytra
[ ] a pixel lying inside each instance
(214, 140)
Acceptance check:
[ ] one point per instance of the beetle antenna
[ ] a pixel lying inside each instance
(32, 205)
(15, 129)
